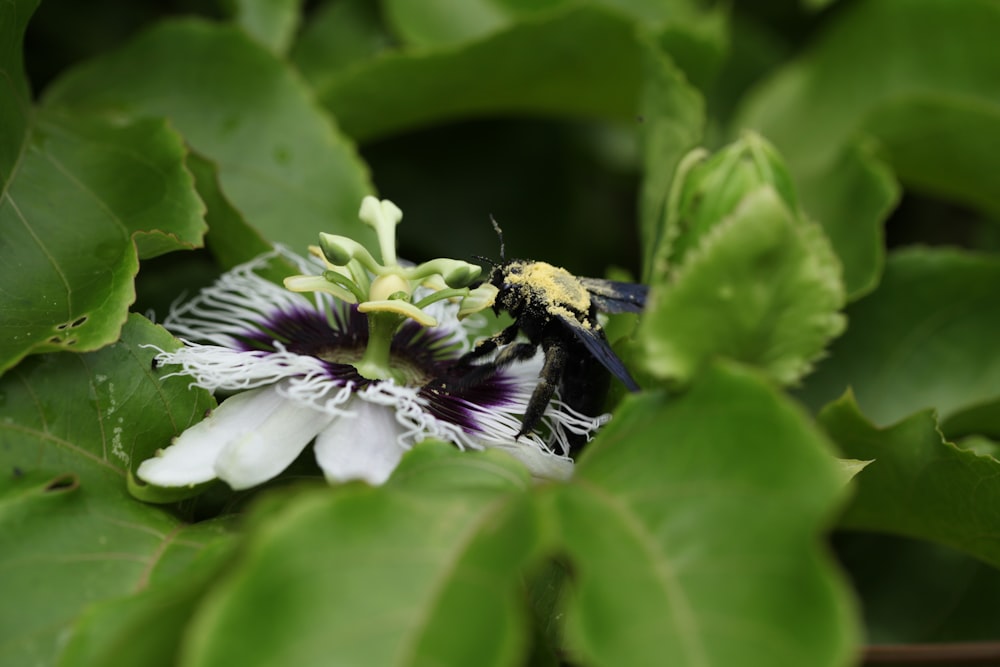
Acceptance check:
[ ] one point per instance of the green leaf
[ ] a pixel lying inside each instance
(882, 71)
(545, 66)
(762, 288)
(981, 419)
(942, 145)
(980, 445)
(849, 468)
(270, 22)
(15, 95)
(699, 44)
(926, 338)
(282, 163)
(230, 239)
(449, 22)
(82, 199)
(816, 5)
(87, 199)
(424, 570)
(71, 425)
(692, 525)
(64, 547)
(851, 200)
(339, 35)
(145, 628)
(443, 23)
(918, 591)
(918, 485)
(673, 119)
(97, 414)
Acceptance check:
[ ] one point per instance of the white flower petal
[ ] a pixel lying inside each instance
(280, 430)
(542, 465)
(191, 458)
(362, 445)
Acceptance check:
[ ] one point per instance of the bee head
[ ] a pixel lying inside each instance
(510, 290)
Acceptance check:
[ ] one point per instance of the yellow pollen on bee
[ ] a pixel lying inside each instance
(558, 284)
(566, 313)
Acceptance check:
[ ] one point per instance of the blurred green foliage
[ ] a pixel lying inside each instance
(770, 170)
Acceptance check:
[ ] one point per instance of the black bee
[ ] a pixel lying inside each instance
(557, 310)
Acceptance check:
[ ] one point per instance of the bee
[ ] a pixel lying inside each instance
(556, 310)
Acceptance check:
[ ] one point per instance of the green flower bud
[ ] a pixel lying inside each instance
(462, 275)
(455, 273)
(714, 187)
(335, 250)
(479, 299)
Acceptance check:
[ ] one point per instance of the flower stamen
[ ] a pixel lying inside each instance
(387, 298)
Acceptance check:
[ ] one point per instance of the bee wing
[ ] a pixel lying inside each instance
(612, 296)
(597, 344)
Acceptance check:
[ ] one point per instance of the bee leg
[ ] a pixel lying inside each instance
(555, 362)
(466, 374)
(487, 345)
(507, 356)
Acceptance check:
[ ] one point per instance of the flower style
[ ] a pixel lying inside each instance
(365, 365)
